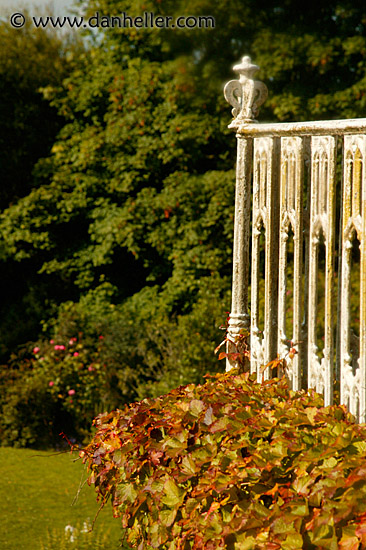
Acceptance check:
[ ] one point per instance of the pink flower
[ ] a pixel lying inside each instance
(52, 341)
(91, 368)
(59, 347)
(51, 384)
(71, 392)
(35, 350)
(76, 353)
(101, 337)
(71, 342)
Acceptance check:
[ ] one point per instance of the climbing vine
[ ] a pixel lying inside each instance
(233, 463)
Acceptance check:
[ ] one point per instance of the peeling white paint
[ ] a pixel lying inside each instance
(282, 161)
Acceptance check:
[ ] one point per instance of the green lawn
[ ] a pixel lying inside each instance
(37, 491)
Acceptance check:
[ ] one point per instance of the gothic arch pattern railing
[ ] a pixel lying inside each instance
(291, 218)
(290, 170)
(322, 224)
(263, 346)
(353, 371)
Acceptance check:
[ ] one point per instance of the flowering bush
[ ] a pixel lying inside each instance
(57, 387)
(233, 464)
(75, 375)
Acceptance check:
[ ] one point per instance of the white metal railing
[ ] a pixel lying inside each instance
(302, 187)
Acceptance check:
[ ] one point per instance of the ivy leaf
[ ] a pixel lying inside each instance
(349, 540)
(174, 443)
(196, 407)
(300, 509)
(167, 517)
(220, 425)
(158, 535)
(128, 493)
(209, 417)
(188, 465)
(173, 494)
(294, 541)
(273, 462)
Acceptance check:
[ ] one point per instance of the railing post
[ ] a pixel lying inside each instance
(239, 316)
(245, 95)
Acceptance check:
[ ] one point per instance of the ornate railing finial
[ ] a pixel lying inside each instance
(246, 94)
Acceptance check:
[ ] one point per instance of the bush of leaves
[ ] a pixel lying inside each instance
(57, 386)
(233, 464)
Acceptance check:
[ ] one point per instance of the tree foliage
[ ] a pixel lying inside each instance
(138, 188)
(29, 125)
(136, 195)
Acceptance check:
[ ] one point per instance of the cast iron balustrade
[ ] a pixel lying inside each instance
(300, 196)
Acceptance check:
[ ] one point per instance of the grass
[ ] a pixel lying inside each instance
(37, 491)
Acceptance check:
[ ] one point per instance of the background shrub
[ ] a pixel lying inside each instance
(98, 359)
(58, 386)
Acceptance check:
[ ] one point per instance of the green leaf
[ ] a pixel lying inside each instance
(259, 509)
(196, 407)
(191, 504)
(128, 493)
(360, 447)
(227, 514)
(173, 494)
(280, 525)
(330, 463)
(188, 465)
(201, 455)
(167, 517)
(220, 425)
(279, 449)
(311, 413)
(158, 534)
(293, 541)
(324, 536)
(174, 443)
(157, 486)
(300, 509)
(249, 543)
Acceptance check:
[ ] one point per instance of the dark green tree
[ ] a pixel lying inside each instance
(137, 195)
(28, 123)
(30, 60)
